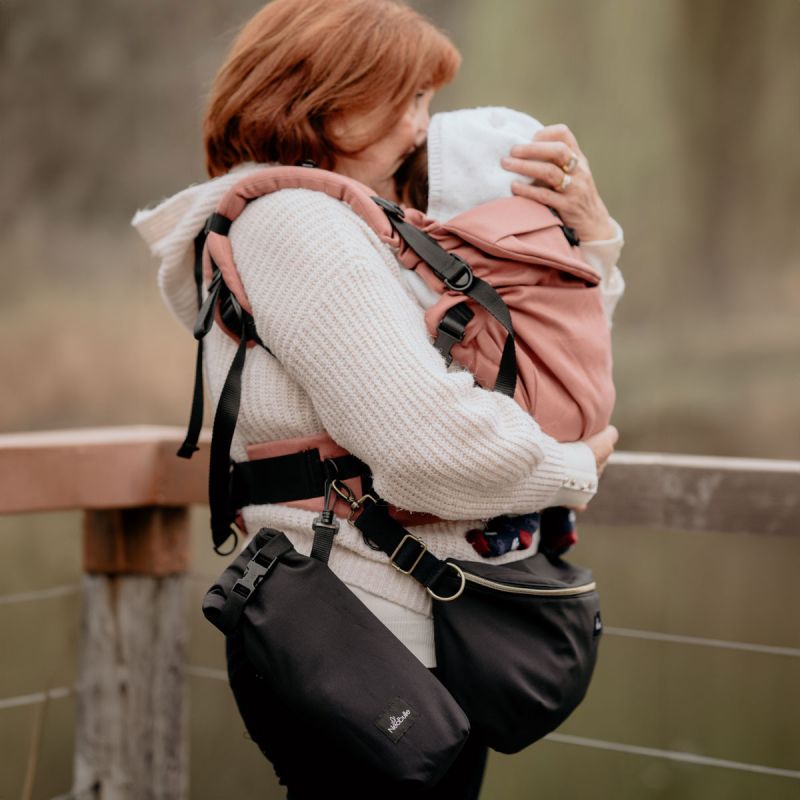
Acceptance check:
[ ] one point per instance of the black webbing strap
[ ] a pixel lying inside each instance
(189, 446)
(458, 276)
(451, 329)
(325, 528)
(282, 479)
(256, 570)
(407, 553)
(221, 437)
(219, 459)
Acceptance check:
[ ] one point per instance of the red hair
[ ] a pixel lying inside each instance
(299, 65)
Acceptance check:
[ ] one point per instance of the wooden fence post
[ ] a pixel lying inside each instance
(132, 713)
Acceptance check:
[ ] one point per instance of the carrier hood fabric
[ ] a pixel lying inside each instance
(464, 152)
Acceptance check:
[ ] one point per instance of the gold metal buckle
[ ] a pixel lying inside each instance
(460, 591)
(399, 547)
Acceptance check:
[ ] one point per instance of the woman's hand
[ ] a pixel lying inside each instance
(602, 445)
(563, 181)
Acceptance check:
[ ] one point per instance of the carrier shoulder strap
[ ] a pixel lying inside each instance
(457, 275)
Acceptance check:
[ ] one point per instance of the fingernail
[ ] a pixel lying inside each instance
(515, 150)
(506, 162)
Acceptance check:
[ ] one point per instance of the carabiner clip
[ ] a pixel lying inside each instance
(346, 493)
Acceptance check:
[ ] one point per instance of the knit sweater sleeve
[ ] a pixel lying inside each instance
(328, 302)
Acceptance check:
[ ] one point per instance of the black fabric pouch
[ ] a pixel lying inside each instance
(517, 644)
(360, 693)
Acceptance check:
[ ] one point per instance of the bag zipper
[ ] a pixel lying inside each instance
(504, 587)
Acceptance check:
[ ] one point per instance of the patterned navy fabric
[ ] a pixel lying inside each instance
(506, 533)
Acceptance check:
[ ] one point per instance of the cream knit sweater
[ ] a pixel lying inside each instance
(352, 357)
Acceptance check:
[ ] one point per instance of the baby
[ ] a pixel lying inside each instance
(459, 170)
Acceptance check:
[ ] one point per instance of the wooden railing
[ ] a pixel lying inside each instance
(131, 736)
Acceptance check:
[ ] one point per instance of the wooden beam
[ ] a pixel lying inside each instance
(699, 493)
(100, 469)
(144, 541)
(118, 468)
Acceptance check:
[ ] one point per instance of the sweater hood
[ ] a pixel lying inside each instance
(169, 229)
(464, 152)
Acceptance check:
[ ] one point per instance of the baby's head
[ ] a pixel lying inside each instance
(460, 166)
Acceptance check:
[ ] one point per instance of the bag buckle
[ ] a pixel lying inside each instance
(254, 573)
(423, 550)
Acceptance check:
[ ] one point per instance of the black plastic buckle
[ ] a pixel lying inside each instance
(254, 573)
(390, 207)
(464, 279)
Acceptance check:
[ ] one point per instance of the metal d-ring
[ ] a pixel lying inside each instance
(460, 591)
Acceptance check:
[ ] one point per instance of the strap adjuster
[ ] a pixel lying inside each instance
(390, 207)
(255, 572)
(451, 329)
(463, 279)
(423, 550)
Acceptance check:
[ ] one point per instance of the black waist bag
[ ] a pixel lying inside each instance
(360, 692)
(518, 646)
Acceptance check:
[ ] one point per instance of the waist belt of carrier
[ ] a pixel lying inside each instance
(283, 479)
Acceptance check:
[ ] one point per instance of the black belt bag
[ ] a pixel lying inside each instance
(361, 694)
(516, 643)
(518, 646)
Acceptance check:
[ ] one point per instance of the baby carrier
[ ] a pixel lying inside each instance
(516, 644)
(517, 306)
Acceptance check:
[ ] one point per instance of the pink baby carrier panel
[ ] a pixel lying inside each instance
(563, 341)
(562, 337)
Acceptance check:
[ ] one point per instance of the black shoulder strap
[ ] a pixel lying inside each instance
(241, 323)
(458, 276)
(189, 446)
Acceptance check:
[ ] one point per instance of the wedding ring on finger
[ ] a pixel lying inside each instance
(565, 182)
(571, 164)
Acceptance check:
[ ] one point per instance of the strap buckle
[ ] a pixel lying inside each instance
(254, 573)
(423, 550)
(390, 207)
(451, 330)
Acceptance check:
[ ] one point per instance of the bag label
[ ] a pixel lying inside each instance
(598, 624)
(397, 719)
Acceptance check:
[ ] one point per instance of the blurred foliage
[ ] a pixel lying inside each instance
(687, 109)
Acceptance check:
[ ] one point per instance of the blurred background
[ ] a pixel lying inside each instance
(689, 112)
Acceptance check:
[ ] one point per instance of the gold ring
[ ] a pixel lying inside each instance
(565, 182)
(571, 164)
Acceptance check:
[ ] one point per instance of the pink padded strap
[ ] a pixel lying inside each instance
(272, 179)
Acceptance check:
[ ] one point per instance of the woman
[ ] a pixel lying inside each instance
(347, 85)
